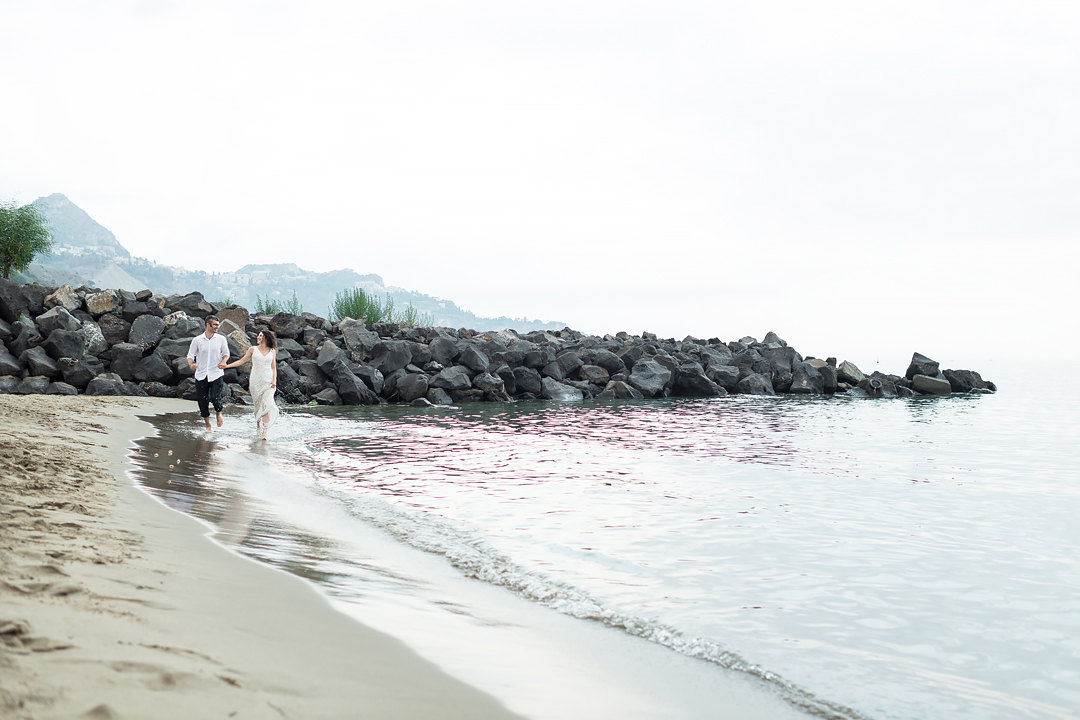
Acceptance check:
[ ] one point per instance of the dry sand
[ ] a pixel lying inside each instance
(113, 606)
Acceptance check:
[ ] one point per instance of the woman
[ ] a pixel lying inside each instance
(262, 382)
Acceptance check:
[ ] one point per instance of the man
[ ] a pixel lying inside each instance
(205, 353)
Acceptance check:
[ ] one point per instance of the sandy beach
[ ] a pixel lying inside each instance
(113, 606)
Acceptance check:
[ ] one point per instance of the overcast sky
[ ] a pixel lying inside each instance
(864, 178)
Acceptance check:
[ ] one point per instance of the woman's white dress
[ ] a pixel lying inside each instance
(262, 394)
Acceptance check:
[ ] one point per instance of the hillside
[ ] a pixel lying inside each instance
(87, 253)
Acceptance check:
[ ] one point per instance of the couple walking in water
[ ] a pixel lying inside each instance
(207, 357)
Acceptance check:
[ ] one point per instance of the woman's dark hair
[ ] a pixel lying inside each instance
(271, 339)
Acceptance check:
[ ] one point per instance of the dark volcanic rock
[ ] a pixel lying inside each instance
(390, 355)
(125, 356)
(286, 325)
(650, 378)
(755, 384)
(921, 365)
(33, 385)
(38, 362)
(106, 384)
(353, 390)
(451, 379)
(114, 328)
(75, 372)
(56, 319)
(412, 386)
(528, 380)
(61, 388)
(691, 381)
(152, 368)
(806, 380)
(65, 343)
(146, 331)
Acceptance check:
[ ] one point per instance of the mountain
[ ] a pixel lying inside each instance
(84, 252)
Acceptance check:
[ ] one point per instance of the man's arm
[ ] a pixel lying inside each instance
(192, 353)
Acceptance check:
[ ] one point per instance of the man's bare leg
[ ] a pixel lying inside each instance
(207, 421)
(220, 419)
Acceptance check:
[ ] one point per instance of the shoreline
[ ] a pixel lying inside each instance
(112, 605)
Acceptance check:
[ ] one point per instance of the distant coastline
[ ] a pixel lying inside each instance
(86, 253)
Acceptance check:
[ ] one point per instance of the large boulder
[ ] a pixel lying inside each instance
(65, 343)
(146, 331)
(931, 385)
(115, 328)
(100, 303)
(75, 372)
(133, 310)
(328, 396)
(9, 364)
(125, 356)
(25, 336)
(619, 390)
(33, 385)
(390, 355)
(38, 362)
(961, 381)
(570, 362)
(371, 376)
(554, 390)
(726, 376)
(451, 379)
(922, 365)
(93, 340)
(412, 386)
(174, 348)
(352, 389)
(474, 359)
(806, 380)
(287, 325)
(444, 351)
(359, 341)
(235, 314)
(691, 381)
(650, 378)
(61, 388)
(106, 384)
(153, 368)
(57, 318)
(13, 301)
(329, 355)
(594, 374)
(755, 384)
(849, 373)
(194, 304)
(9, 384)
(528, 380)
(181, 325)
(609, 361)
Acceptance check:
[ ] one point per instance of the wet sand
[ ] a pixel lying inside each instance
(114, 606)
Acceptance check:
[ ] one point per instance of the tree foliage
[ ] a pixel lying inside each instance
(24, 234)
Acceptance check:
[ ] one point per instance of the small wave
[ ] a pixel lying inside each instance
(475, 558)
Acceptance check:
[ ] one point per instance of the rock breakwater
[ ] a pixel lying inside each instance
(64, 340)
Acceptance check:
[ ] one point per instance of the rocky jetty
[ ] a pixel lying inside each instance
(64, 340)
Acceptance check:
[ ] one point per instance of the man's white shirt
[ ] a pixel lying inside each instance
(207, 353)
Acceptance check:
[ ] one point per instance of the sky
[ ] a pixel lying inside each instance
(866, 179)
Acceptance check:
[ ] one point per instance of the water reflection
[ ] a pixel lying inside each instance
(185, 469)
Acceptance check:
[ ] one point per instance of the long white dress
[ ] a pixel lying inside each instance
(262, 394)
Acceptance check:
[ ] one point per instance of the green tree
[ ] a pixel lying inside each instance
(24, 234)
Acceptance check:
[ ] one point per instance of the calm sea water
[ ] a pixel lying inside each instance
(886, 559)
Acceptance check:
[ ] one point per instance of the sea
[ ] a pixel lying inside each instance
(837, 557)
